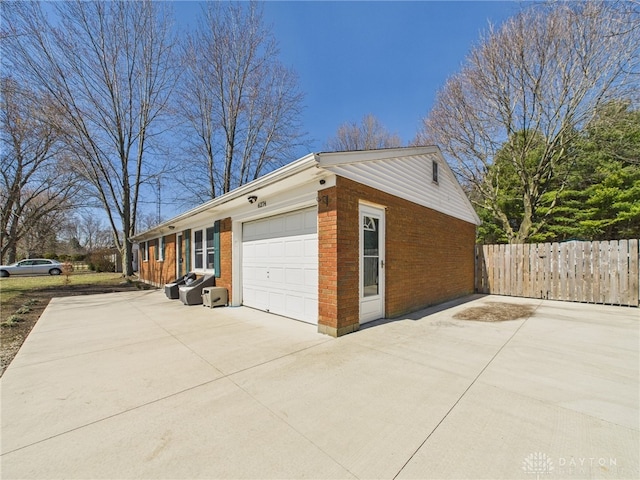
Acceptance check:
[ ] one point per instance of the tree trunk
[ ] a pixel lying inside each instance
(12, 253)
(127, 258)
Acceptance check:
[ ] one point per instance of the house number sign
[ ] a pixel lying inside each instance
(262, 204)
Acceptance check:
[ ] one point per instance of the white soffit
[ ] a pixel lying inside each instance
(407, 176)
(292, 174)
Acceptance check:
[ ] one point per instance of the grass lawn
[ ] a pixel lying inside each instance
(12, 287)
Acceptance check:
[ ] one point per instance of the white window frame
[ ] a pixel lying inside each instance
(209, 249)
(145, 251)
(196, 250)
(204, 251)
(435, 172)
(161, 245)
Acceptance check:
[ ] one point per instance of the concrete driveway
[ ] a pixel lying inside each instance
(132, 385)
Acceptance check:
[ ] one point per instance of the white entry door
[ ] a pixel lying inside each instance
(372, 240)
(280, 264)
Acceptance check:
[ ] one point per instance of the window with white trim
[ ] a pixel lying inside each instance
(434, 171)
(144, 246)
(198, 249)
(210, 250)
(161, 249)
(204, 249)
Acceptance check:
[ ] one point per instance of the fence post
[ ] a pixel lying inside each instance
(634, 273)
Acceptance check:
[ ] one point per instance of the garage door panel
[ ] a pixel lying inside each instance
(275, 225)
(294, 223)
(295, 305)
(262, 229)
(311, 309)
(311, 248)
(294, 276)
(276, 277)
(276, 250)
(311, 219)
(262, 274)
(287, 225)
(276, 302)
(249, 250)
(311, 278)
(280, 265)
(261, 299)
(249, 275)
(262, 250)
(294, 249)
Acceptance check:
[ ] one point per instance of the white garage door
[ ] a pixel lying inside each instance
(280, 265)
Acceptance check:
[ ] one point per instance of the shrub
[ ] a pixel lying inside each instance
(67, 270)
(12, 321)
(100, 261)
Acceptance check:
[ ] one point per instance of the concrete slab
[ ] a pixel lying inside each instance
(62, 397)
(361, 406)
(212, 431)
(136, 386)
(79, 327)
(564, 388)
(492, 433)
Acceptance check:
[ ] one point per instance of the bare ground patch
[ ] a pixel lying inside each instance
(495, 312)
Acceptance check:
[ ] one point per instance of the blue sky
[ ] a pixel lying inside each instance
(354, 58)
(384, 58)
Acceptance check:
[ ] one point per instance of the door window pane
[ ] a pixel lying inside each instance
(370, 256)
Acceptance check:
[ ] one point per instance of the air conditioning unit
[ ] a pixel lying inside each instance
(214, 297)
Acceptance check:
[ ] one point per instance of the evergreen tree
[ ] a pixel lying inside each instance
(601, 200)
(593, 195)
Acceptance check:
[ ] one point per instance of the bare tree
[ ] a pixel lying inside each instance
(525, 92)
(108, 70)
(43, 234)
(87, 232)
(241, 105)
(35, 185)
(369, 134)
(147, 220)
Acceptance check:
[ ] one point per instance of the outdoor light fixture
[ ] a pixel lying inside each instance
(323, 199)
(322, 181)
(172, 227)
(252, 199)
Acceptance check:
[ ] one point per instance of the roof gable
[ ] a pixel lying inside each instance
(406, 173)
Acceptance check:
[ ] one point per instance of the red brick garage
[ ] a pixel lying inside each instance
(395, 233)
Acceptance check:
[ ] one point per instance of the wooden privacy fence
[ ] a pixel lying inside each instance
(591, 272)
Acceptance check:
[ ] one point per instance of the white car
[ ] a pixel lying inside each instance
(32, 266)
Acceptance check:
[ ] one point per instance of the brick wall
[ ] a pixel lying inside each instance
(327, 260)
(159, 272)
(429, 256)
(226, 255)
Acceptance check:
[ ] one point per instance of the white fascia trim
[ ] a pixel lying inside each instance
(281, 173)
(329, 159)
(458, 187)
